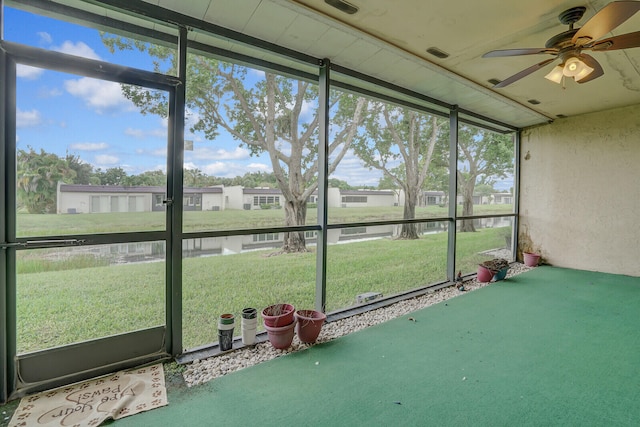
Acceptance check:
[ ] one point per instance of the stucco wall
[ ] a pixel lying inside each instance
(580, 191)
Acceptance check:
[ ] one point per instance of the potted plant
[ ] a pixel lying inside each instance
(495, 269)
(281, 337)
(279, 323)
(308, 325)
(484, 274)
(531, 259)
(278, 315)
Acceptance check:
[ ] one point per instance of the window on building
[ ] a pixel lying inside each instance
(354, 199)
(157, 199)
(266, 200)
(266, 237)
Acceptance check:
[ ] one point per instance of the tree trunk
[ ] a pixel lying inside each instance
(295, 214)
(409, 231)
(467, 206)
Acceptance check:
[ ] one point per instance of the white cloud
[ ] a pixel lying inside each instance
(257, 73)
(89, 146)
(106, 159)
(190, 166)
(258, 167)
(30, 118)
(352, 170)
(78, 49)
(191, 118)
(217, 169)
(101, 96)
(229, 169)
(141, 134)
(136, 133)
(27, 72)
(45, 38)
(44, 92)
(206, 153)
(308, 110)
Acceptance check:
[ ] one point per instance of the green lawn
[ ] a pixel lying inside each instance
(59, 306)
(30, 225)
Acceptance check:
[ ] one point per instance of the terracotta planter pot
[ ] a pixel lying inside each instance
(309, 323)
(281, 337)
(278, 315)
(484, 274)
(531, 259)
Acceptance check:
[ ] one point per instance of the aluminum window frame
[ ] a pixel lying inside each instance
(283, 61)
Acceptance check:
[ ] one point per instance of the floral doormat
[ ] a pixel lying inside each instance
(91, 402)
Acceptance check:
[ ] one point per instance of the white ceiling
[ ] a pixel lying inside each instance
(466, 29)
(388, 40)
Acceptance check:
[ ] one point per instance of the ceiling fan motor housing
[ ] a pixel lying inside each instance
(561, 41)
(573, 15)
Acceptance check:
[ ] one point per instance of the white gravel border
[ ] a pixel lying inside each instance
(201, 371)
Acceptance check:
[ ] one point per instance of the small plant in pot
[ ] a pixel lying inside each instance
(495, 269)
(278, 315)
(531, 259)
(280, 323)
(309, 323)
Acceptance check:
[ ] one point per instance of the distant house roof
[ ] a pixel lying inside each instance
(80, 188)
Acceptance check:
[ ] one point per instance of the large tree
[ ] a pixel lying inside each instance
(484, 156)
(401, 143)
(38, 175)
(155, 178)
(265, 112)
(84, 171)
(111, 176)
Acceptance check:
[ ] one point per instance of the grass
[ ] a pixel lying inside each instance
(58, 306)
(29, 225)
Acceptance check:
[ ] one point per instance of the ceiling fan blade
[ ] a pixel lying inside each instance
(518, 52)
(625, 41)
(597, 68)
(523, 73)
(608, 18)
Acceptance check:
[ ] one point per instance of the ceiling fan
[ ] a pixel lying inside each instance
(569, 46)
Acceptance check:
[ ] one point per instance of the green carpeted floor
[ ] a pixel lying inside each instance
(550, 347)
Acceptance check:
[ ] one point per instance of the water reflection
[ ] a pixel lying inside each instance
(230, 245)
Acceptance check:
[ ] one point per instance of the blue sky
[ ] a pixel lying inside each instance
(66, 113)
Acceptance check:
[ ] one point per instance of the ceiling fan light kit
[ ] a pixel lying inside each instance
(556, 74)
(569, 45)
(572, 67)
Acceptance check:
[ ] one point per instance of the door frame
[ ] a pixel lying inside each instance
(44, 369)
